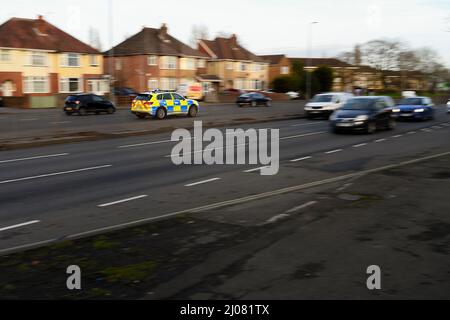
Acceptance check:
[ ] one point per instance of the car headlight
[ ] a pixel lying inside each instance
(362, 118)
(396, 110)
(419, 110)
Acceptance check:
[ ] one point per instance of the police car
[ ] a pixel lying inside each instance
(160, 104)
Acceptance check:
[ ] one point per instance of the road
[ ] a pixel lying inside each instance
(74, 190)
(17, 124)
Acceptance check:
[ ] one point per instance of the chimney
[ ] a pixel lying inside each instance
(233, 40)
(41, 25)
(163, 30)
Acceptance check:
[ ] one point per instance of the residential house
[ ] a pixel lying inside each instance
(153, 59)
(237, 67)
(279, 66)
(41, 61)
(405, 80)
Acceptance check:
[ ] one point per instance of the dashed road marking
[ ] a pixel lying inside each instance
(122, 201)
(19, 225)
(202, 182)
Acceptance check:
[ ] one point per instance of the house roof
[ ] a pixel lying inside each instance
(229, 49)
(273, 59)
(40, 35)
(316, 62)
(154, 41)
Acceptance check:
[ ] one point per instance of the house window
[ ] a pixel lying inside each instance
(152, 60)
(241, 66)
(169, 84)
(99, 87)
(38, 59)
(201, 63)
(118, 65)
(169, 63)
(5, 55)
(284, 70)
(93, 60)
(36, 85)
(70, 85)
(153, 84)
(70, 60)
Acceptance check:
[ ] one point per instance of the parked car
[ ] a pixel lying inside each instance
(448, 106)
(83, 104)
(124, 92)
(326, 103)
(233, 91)
(253, 99)
(367, 114)
(160, 104)
(415, 108)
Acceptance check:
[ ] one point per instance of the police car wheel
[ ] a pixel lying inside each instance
(160, 114)
(193, 112)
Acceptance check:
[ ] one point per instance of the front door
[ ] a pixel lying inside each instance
(7, 88)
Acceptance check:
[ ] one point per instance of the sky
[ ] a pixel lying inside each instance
(263, 26)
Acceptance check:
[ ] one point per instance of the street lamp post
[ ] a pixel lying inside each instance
(308, 73)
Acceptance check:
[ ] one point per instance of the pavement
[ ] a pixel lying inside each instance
(24, 128)
(339, 204)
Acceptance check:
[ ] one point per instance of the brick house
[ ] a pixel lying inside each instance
(153, 59)
(237, 67)
(279, 66)
(40, 61)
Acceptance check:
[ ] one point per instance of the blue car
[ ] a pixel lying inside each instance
(414, 108)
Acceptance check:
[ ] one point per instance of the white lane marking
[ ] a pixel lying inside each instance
(60, 122)
(35, 157)
(380, 140)
(256, 169)
(360, 145)
(303, 206)
(301, 159)
(28, 246)
(144, 144)
(156, 142)
(303, 135)
(277, 218)
(334, 151)
(397, 136)
(55, 174)
(306, 124)
(412, 132)
(122, 201)
(19, 225)
(251, 198)
(201, 182)
(426, 130)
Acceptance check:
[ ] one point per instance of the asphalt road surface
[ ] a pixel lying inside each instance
(73, 190)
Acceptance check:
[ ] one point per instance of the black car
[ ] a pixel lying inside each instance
(124, 92)
(365, 114)
(253, 99)
(83, 104)
(1, 102)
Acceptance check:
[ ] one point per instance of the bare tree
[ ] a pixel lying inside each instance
(198, 32)
(94, 39)
(382, 54)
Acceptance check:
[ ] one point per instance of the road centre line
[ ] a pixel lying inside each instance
(202, 182)
(380, 140)
(334, 151)
(19, 225)
(122, 201)
(256, 169)
(35, 157)
(360, 145)
(301, 159)
(55, 174)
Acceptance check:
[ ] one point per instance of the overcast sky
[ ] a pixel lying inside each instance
(263, 26)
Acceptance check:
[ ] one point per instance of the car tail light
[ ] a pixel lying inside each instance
(77, 102)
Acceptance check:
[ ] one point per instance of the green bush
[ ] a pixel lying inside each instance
(283, 84)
